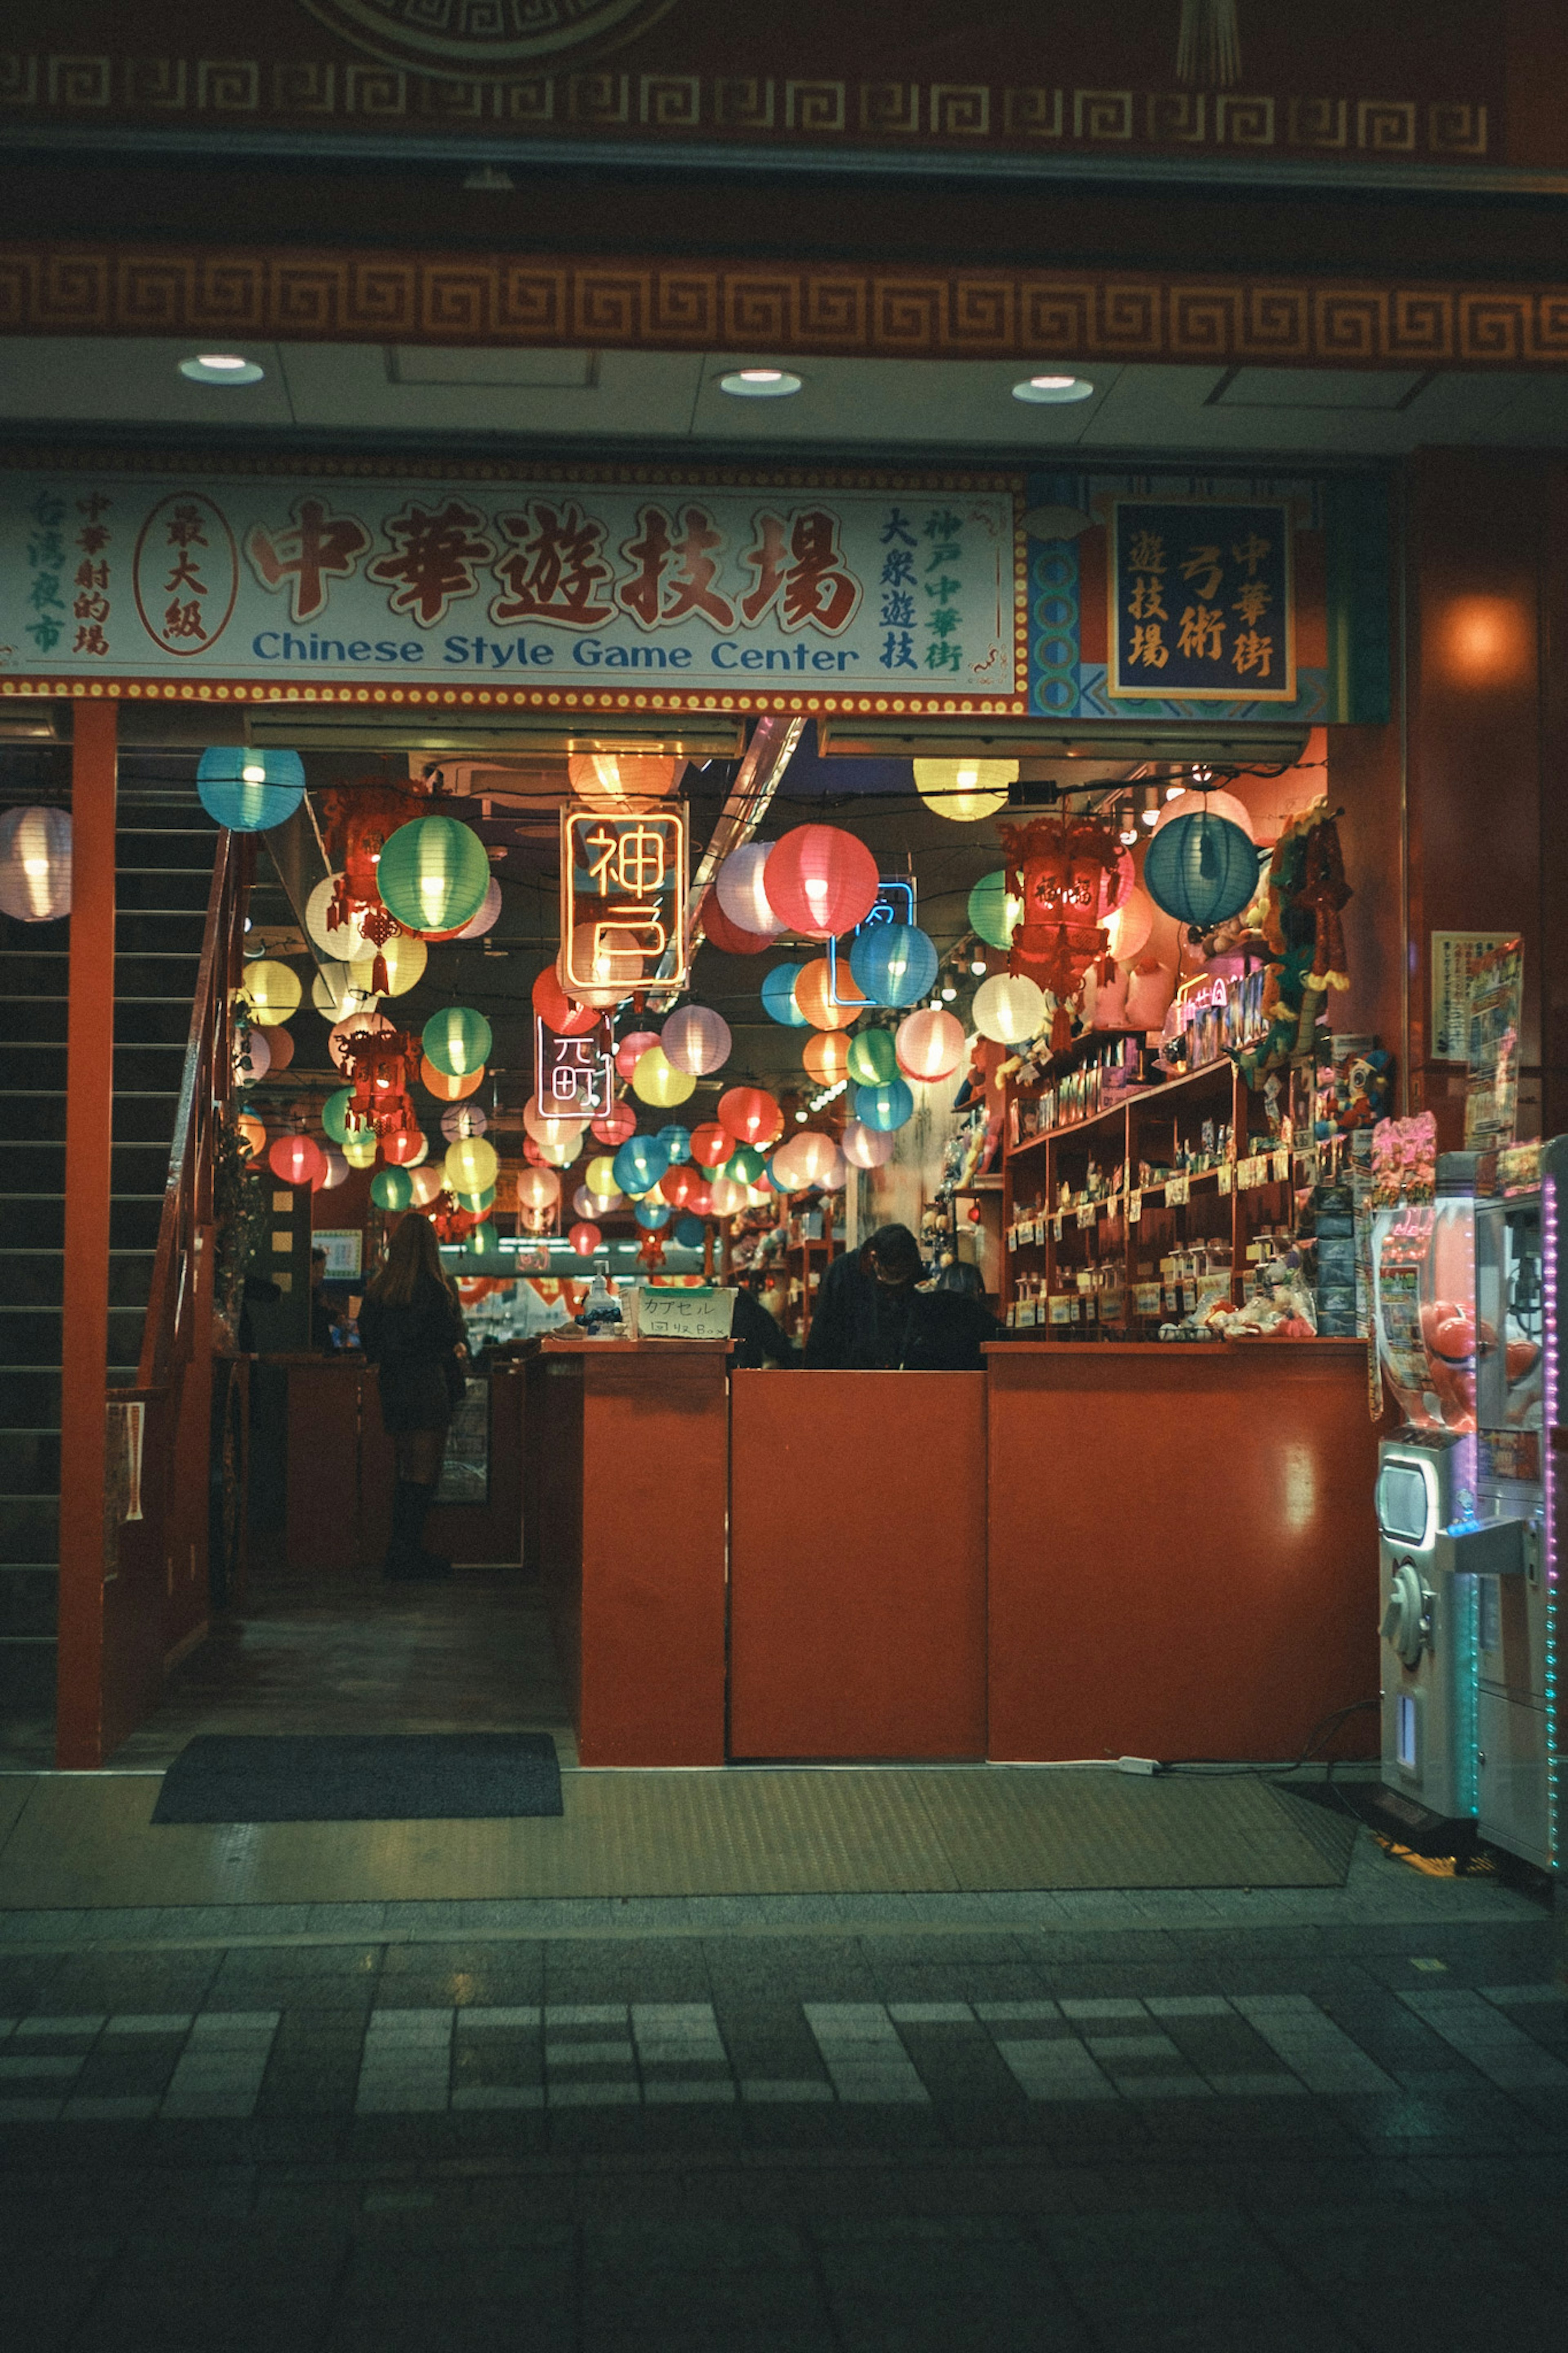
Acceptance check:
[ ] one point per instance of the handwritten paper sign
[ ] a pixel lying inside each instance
(698, 1314)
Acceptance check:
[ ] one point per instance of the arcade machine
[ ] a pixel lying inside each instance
(1461, 1289)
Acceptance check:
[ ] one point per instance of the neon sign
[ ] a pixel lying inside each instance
(623, 900)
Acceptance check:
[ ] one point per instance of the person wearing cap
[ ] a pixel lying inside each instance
(871, 1314)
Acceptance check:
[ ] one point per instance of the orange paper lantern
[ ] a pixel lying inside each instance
(814, 993)
(436, 1083)
(827, 1057)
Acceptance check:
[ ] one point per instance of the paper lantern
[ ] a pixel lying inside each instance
(611, 974)
(280, 1046)
(1008, 1009)
(819, 1160)
(252, 1133)
(886, 1107)
(613, 1126)
(779, 1000)
(820, 880)
(728, 937)
(445, 1088)
(35, 864)
(867, 1147)
(434, 874)
(488, 917)
(482, 1247)
(930, 1044)
(1201, 869)
(585, 1202)
(477, 1205)
(457, 1040)
(697, 1040)
(600, 1175)
(893, 963)
(549, 1128)
(337, 1168)
(727, 1196)
(825, 1004)
(826, 1056)
(746, 1166)
(1128, 927)
(676, 1142)
(400, 961)
(749, 1115)
(965, 790)
(993, 910)
(463, 1119)
(247, 789)
(614, 781)
(252, 1057)
(360, 1148)
(355, 1025)
(565, 1015)
(335, 995)
(343, 941)
(1192, 804)
(297, 1160)
(739, 884)
(689, 1232)
(638, 1165)
(428, 1184)
(873, 1058)
(271, 991)
(471, 1164)
(537, 1190)
(656, 1080)
(711, 1144)
(700, 1200)
(678, 1184)
(392, 1188)
(405, 1148)
(585, 1239)
(652, 1215)
(631, 1049)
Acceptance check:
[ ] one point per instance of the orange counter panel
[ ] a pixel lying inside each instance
(630, 1449)
(1183, 1554)
(858, 1565)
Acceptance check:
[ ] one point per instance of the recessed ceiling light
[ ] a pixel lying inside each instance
(759, 384)
(221, 367)
(1045, 389)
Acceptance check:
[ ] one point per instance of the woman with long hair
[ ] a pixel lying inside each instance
(411, 1329)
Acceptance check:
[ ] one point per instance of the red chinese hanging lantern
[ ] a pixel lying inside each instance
(383, 1068)
(560, 1012)
(359, 820)
(1070, 874)
(820, 880)
(711, 1145)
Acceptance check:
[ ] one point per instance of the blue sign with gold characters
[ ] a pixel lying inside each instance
(1202, 607)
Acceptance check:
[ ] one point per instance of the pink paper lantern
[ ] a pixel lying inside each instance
(696, 1040)
(613, 1126)
(929, 1044)
(867, 1147)
(297, 1160)
(821, 882)
(631, 1047)
(585, 1238)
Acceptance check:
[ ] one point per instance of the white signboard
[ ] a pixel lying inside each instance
(656, 1313)
(732, 590)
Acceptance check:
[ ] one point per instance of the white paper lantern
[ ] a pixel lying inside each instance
(347, 941)
(403, 960)
(696, 1040)
(488, 915)
(549, 1130)
(727, 1196)
(335, 995)
(253, 1058)
(337, 1168)
(35, 864)
(739, 885)
(867, 1147)
(429, 1184)
(339, 1035)
(1009, 1008)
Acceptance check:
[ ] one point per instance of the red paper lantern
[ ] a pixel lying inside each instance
(821, 880)
(711, 1145)
(748, 1113)
(613, 1126)
(280, 1046)
(297, 1160)
(560, 1012)
(700, 1200)
(728, 937)
(585, 1238)
(631, 1047)
(678, 1184)
(402, 1146)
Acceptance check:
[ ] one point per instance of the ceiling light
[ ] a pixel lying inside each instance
(977, 967)
(1045, 389)
(948, 995)
(1150, 817)
(759, 384)
(800, 1117)
(1127, 835)
(221, 367)
(1174, 792)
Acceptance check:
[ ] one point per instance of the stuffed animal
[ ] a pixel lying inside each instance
(1364, 1085)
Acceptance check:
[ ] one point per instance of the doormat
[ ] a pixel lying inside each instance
(361, 1777)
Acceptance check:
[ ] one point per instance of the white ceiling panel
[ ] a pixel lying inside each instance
(83, 379)
(350, 388)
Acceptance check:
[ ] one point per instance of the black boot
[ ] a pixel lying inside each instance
(429, 1564)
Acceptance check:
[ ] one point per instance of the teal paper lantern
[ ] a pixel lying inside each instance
(746, 1166)
(653, 1215)
(884, 1108)
(993, 910)
(477, 1205)
(250, 790)
(434, 874)
(676, 1142)
(334, 1114)
(392, 1188)
(689, 1232)
(895, 963)
(457, 1040)
(778, 997)
(483, 1246)
(1201, 869)
(640, 1163)
(873, 1058)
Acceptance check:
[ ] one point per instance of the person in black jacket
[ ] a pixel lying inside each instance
(871, 1316)
(411, 1327)
(756, 1340)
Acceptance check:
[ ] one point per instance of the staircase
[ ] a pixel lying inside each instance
(164, 852)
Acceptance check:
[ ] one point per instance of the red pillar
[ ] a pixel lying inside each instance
(84, 1347)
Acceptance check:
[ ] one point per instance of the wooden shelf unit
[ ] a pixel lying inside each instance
(1123, 1254)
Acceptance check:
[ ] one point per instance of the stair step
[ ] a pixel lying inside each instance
(34, 1278)
(30, 1461)
(31, 1335)
(29, 1537)
(29, 1600)
(156, 934)
(136, 1169)
(29, 1396)
(171, 892)
(138, 1024)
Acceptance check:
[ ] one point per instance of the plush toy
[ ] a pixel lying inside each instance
(1306, 890)
(1364, 1085)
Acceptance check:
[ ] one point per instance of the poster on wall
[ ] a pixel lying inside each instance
(1453, 953)
(1202, 601)
(1496, 1006)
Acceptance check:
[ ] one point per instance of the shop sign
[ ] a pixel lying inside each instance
(1202, 601)
(623, 899)
(574, 1078)
(735, 590)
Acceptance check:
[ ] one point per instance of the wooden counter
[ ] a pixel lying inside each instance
(1182, 1557)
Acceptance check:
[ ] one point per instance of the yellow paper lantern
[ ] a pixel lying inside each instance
(272, 991)
(335, 994)
(600, 1174)
(404, 957)
(471, 1164)
(655, 1080)
(359, 1147)
(620, 780)
(965, 790)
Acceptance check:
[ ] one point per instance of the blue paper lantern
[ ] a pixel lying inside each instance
(640, 1163)
(894, 965)
(689, 1232)
(1201, 869)
(676, 1142)
(778, 997)
(653, 1215)
(886, 1107)
(247, 789)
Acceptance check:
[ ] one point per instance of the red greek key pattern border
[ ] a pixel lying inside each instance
(806, 308)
